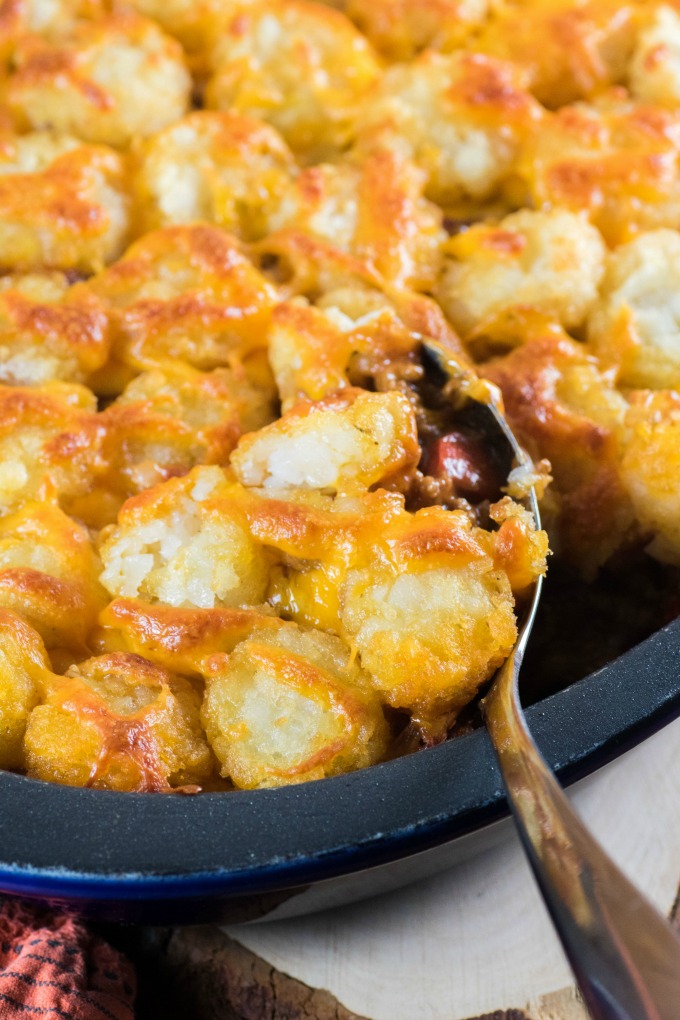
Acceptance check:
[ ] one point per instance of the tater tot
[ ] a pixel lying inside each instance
(49, 574)
(373, 209)
(45, 18)
(400, 29)
(563, 407)
(168, 420)
(49, 330)
(117, 722)
(635, 325)
(48, 444)
(179, 639)
(24, 671)
(551, 261)
(183, 293)
(651, 469)
(352, 439)
(195, 23)
(654, 73)
(309, 352)
(613, 158)
(107, 80)
(312, 538)
(430, 614)
(516, 547)
(63, 203)
(426, 599)
(185, 543)
(461, 117)
(299, 65)
(567, 50)
(312, 350)
(291, 708)
(215, 166)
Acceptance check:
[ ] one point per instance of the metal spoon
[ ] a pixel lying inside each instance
(624, 954)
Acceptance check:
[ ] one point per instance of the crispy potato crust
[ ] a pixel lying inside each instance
(461, 117)
(352, 439)
(49, 574)
(117, 722)
(265, 64)
(550, 261)
(185, 543)
(186, 293)
(614, 159)
(374, 210)
(106, 81)
(636, 324)
(567, 50)
(562, 405)
(290, 708)
(221, 167)
(62, 203)
(49, 330)
(400, 29)
(651, 468)
(24, 673)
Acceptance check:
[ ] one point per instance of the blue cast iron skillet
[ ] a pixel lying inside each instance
(159, 859)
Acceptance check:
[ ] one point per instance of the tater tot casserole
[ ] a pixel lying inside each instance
(246, 540)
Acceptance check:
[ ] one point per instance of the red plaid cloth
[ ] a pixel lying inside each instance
(52, 967)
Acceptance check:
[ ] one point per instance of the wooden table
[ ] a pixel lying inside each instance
(474, 942)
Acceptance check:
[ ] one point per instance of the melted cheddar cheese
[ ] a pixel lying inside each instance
(247, 535)
(106, 80)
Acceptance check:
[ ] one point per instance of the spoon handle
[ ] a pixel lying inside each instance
(624, 954)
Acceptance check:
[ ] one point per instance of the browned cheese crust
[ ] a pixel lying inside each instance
(247, 535)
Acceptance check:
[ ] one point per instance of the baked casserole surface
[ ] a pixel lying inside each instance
(244, 539)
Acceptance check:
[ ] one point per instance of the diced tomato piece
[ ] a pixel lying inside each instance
(462, 456)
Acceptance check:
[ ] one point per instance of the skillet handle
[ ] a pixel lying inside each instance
(624, 954)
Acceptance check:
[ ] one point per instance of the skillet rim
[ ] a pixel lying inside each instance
(127, 846)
